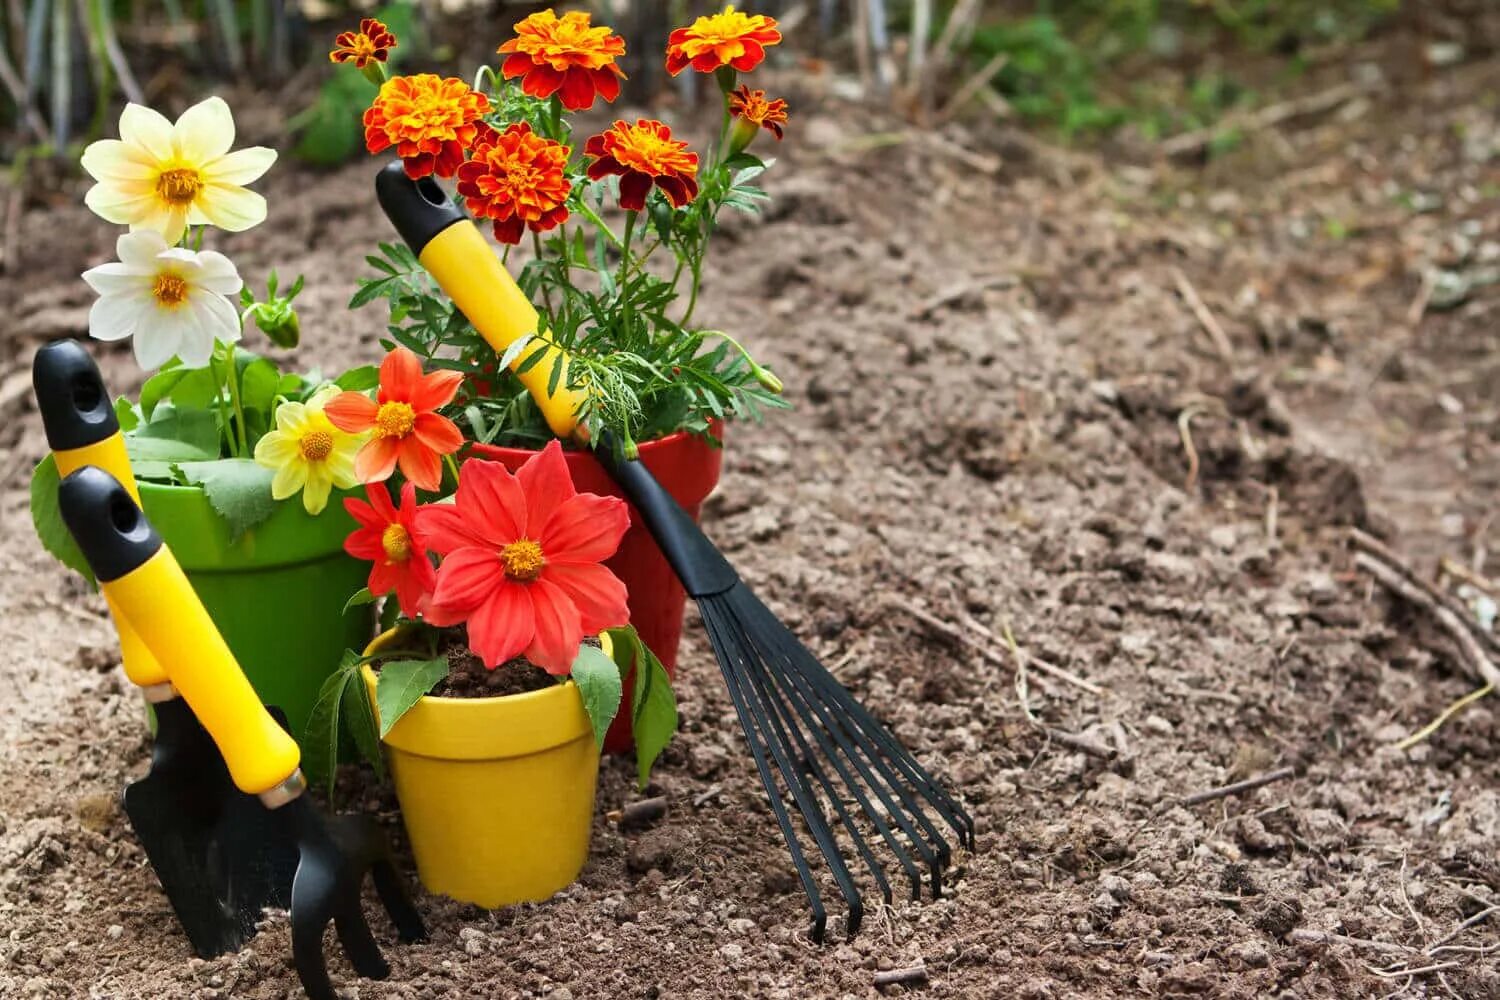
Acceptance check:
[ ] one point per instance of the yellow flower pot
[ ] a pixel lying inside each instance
(497, 794)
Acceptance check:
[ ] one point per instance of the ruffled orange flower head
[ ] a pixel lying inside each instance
(752, 108)
(643, 155)
(565, 54)
(518, 179)
(428, 119)
(731, 38)
(373, 41)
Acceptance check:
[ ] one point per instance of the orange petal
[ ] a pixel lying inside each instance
(597, 593)
(584, 529)
(435, 390)
(352, 412)
(400, 374)
(438, 433)
(420, 463)
(375, 461)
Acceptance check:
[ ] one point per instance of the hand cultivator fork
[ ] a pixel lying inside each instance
(810, 739)
(142, 580)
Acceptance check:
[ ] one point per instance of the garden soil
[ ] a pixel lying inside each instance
(1007, 414)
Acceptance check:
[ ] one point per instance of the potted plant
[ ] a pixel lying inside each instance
(220, 439)
(493, 690)
(618, 226)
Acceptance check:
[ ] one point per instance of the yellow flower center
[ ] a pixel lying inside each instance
(396, 542)
(170, 290)
(316, 445)
(179, 186)
(523, 559)
(362, 48)
(395, 420)
(649, 148)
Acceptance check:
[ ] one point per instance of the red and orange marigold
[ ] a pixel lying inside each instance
(518, 179)
(642, 155)
(565, 54)
(428, 119)
(373, 41)
(751, 108)
(731, 38)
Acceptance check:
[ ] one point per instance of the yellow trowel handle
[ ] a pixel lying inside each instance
(455, 253)
(143, 580)
(82, 430)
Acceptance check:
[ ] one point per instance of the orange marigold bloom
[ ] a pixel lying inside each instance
(714, 41)
(565, 54)
(644, 154)
(373, 40)
(517, 178)
(429, 120)
(751, 106)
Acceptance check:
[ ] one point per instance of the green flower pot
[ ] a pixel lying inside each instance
(277, 593)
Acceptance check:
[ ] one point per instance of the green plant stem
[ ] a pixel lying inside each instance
(239, 409)
(223, 407)
(593, 216)
(452, 464)
(536, 245)
(697, 265)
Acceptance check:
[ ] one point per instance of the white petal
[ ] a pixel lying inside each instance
(156, 340)
(115, 278)
(148, 129)
(181, 260)
(240, 167)
(139, 249)
(165, 218)
(116, 317)
(218, 273)
(116, 160)
(216, 315)
(232, 209)
(204, 132)
(196, 348)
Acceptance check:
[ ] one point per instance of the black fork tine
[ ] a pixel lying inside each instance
(359, 943)
(391, 888)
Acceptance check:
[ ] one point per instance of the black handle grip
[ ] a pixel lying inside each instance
(419, 209)
(700, 566)
(110, 529)
(76, 410)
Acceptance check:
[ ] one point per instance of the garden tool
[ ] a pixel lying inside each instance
(141, 577)
(806, 733)
(218, 853)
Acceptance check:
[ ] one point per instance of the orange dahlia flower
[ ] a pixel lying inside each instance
(429, 120)
(517, 178)
(403, 422)
(565, 54)
(732, 38)
(642, 155)
(373, 40)
(753, 111)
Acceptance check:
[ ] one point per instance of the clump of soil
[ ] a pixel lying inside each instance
(468, 677)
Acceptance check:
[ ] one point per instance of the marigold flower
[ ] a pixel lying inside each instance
(309, 453)
(753, 112)
(167, 176)
(517, 178)
(373, 41)
(428, 119)
(565, 54)
(403, 420)
(731, 38)
(389, 538)
(644, 154)
(521, 561)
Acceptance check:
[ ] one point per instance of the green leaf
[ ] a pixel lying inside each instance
(402, 684)
(126, 414)
(320, 740)
(238, 489)
(196, 390)
(157, 388)
(598, 680)
(653, 702)
(359, 379)
(259, 385)
(359, 720)
(46, 517)
(361, 597)
(514, 351)
(175, 435)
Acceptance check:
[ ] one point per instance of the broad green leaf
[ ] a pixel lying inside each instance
(126, 415)
(359, 379)
(359, 719)
(361, 597)
(238, 489)
(155, 449)
(157, 388)
(598, 680)
(46, 517)
(653, 702)
(320, 741)
(259, 385)
(189, 436)
(402, 684)
(196, 390)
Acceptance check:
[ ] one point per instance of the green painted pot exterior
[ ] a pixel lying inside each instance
(277, 593)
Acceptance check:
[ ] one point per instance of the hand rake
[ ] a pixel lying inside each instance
(141, 578)
(807, 735)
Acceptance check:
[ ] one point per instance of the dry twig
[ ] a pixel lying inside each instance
(902, 977)
(1455, 626)
(1238, 787)
(1204, 316)
(639, 815)
(1267, 117)
(1307, 935)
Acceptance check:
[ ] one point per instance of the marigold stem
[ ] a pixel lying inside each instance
(593, 216)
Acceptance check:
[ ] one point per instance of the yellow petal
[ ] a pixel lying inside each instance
(240, 167)
(116, 160)
(289, 479)
(291, 419)
(319, 485)
(148, 129)
(232, 209)
(204, 132)
(276, 450)
(122, 204)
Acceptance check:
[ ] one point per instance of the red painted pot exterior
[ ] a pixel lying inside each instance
(688, 468)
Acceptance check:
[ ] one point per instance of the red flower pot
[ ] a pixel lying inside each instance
(688, 467)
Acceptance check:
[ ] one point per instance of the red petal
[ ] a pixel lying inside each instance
(491, 502)
(633, 190)
(439, 434)
(380, 502)
(509, 230)
(504, 626)
(597, 593)
(542, 81)
(400, 374)
(365, 544)
(420, 464)
(352, 412)
(376, 460)
(545, 482)
(467, 577)
(584, 528)
(443, 529)
(435, 390)
(364, 513)
(414, 584)
(559, 632)
(578, 89)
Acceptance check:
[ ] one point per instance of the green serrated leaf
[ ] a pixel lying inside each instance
(598, 680)
(238, 489)
(359, 720)
(46, 517)
(320, 740)
(514, 350)
(402, 684)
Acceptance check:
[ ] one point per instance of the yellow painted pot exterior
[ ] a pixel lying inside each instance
(497, 794)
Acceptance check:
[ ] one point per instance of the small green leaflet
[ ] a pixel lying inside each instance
(341, 702)
(126, 415)
(359, 379)
(598, 680)
(653, 703)
(361, 597)
(46, 517)
(238, 489)
(402, 684)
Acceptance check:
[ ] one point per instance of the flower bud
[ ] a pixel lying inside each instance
(278, 321)
(766, 378)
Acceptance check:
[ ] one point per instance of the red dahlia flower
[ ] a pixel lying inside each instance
(407, 428)
(644, 154)
(521, 561)
(389, 538)
(566, 54)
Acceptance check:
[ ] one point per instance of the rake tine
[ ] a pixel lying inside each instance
(773, 793)
(359, 944)
(397, 901)
(802, 794)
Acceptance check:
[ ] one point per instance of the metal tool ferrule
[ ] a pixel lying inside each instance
(286, 791)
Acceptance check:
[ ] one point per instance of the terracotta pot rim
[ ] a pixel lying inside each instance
(716, 427)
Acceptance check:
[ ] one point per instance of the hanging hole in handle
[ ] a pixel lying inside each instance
(88, 394)
(124, 514)
(432, 192)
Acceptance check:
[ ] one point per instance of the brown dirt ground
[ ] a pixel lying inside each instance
(988, 368)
